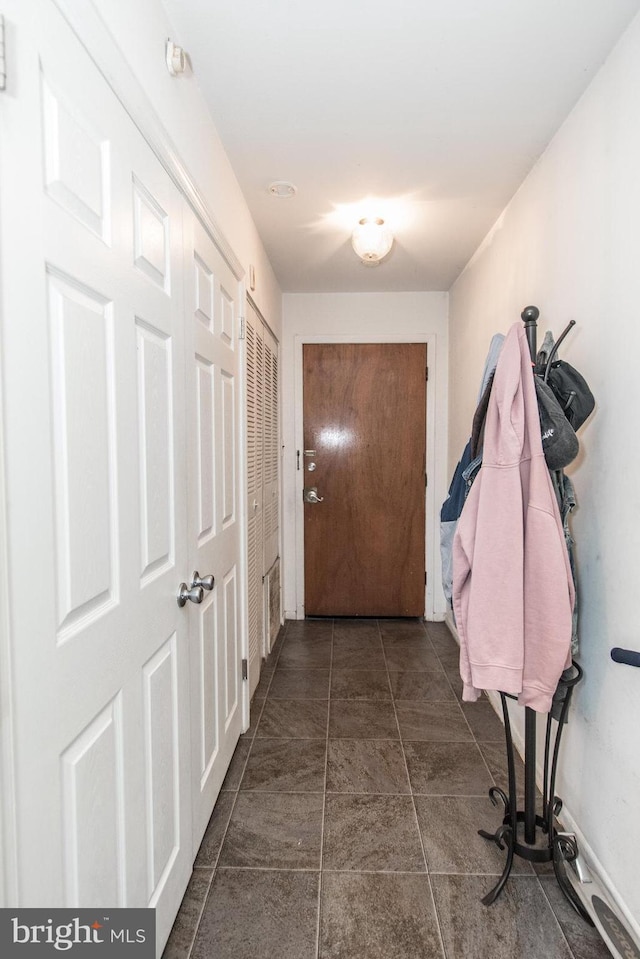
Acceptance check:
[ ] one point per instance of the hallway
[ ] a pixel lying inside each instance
(347, 825)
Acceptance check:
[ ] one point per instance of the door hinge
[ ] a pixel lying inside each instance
(242, 330)
(425, 578)
(426, 373)
(245, 669)
(425, 481)
(3, 61)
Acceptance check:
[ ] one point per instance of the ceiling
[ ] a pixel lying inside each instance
(428, 114)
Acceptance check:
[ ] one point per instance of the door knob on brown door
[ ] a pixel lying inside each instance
(206, 582)
(310, 495)
(195, 594)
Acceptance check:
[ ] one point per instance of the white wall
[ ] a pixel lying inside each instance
(141, 28)
(380, 316)
(568, 243)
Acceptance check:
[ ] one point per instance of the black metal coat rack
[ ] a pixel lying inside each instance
(551, 844)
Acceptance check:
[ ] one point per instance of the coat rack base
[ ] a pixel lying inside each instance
(543, 841)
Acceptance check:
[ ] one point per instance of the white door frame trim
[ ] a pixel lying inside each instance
(431, 509)
(8, 830)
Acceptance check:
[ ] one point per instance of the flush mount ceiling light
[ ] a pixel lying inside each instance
(282, 189)
(372, 240)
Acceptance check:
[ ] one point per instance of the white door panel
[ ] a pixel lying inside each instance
(212, 364)
(94, 391)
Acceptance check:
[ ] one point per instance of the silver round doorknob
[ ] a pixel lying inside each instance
(194, 595)
(207, 582)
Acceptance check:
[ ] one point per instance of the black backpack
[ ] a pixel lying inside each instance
(571, 391)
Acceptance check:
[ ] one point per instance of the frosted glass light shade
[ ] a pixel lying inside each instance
(372, 240)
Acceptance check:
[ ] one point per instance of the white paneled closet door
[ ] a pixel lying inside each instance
(93, 362)
(214, 404)
(254, 379)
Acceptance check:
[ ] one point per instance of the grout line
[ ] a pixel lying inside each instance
(311, 869)
(236, 793)
(324, 798)
(200, 913)
(557, 919)
(415, 810)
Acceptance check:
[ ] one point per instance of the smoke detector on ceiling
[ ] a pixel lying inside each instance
(282, 189)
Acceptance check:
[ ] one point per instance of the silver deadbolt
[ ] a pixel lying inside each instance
(194, 595)
(311, 467)
(207, 582)
(310, 495)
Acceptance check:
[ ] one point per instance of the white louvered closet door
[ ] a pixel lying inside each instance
(271, 461)
(255, 418)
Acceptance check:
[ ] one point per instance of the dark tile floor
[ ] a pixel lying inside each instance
(347, 824)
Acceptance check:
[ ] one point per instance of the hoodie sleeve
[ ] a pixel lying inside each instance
(462, 553)
(549, 595)
(489, 542)
(488, 594)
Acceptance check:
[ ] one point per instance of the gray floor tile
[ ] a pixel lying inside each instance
(519, 925)
(360, 684)
(366, 766)
(447, 769)
(426, 685)
(184, 928)
(300, 684)
(449, 657)
(440, 635)
(354, 652)
(294, 719)
(455, 682)
(255, 711)
(495, 755)
(484, 721)
(362, 720)
(216, 828)
(236, 767)
(376, 899)
(250, 914)
(316, 630)
(584, 940)
(449, 827)
(262, 688)
(275, 831)
(391, 629)
(378, 916)
(366, 630)
(377, 833)
(411, 654)
(307, 655)
(432, 722)
(285, 765)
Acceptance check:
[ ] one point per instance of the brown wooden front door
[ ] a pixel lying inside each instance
(365, 431)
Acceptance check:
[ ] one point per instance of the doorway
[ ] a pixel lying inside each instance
(364, 460)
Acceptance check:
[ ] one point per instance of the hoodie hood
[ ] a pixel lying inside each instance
(512, 433)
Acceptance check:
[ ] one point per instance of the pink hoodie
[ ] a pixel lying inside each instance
(512, 586)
